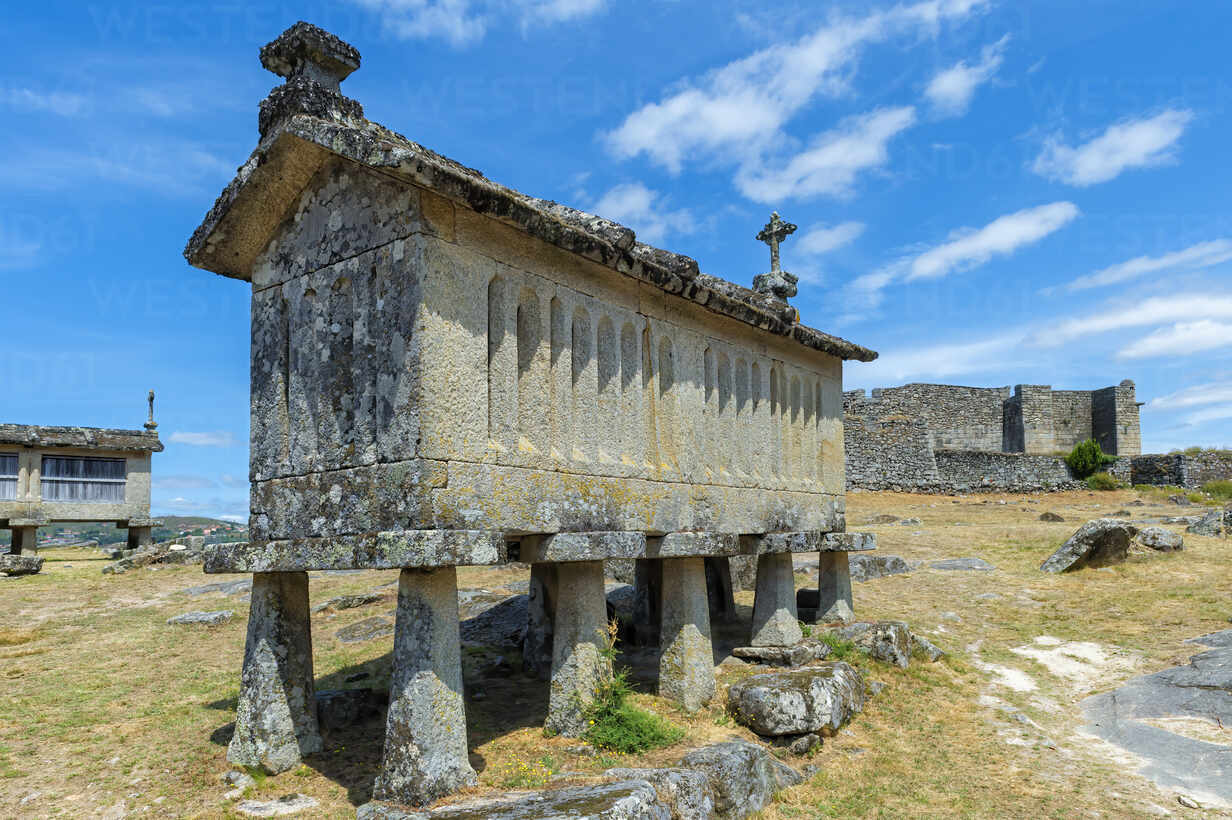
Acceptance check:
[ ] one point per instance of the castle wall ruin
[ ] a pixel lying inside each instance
(949, 438)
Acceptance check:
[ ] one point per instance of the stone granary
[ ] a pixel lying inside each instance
(447, 372)
(75, 474)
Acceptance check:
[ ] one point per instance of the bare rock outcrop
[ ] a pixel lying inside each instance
(1097, 543)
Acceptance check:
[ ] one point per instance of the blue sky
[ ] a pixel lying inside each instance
(987, 193)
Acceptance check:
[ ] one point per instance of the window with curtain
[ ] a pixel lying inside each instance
(84, 480)
(8, 477)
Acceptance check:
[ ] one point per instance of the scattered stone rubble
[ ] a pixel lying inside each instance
(810, 700)
(186, 550)
(1160, 539)
(203, 618)
(1097, 543)
(11, 564)
(723, 781)
(1215, 522)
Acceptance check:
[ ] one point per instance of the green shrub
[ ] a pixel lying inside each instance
(1219, 490)
(615, 724)
(840, 650)
(1103, 481)
(1086, 458)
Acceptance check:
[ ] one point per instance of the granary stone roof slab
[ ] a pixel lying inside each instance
(268, 186)
(80, 438)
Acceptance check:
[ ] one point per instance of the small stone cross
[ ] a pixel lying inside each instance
(776, 231)
(151, 424)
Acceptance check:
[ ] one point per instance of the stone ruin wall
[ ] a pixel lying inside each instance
(1182, 470)
(949, 438)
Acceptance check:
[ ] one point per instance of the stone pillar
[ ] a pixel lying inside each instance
(276, 720)
(537, 646)
(774, 608)
(647, 594)
(140, 537)
(719, 592)
(834, 588)
(425, 734)
(25, 540)
(686, 666)
(578, 665)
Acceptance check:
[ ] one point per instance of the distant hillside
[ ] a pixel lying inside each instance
(173, 526)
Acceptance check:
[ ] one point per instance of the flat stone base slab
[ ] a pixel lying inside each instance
(411, 549)
(603, 801)
(808, 651)
(425, 549)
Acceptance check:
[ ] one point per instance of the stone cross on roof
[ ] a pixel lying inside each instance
(778, 282)
(151, 424)
(776, 231)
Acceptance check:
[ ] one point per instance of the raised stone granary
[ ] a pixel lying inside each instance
(76, 474)
(447, 372)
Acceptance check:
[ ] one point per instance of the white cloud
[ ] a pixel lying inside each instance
(214, 439)
(233, 481)
(738, 110)
(1182, 339)
(1155, 311)
(172, 167)
(942, 360)
(65, 104)
(1210, 393)
(463, 22)
(830, 166)
(234, 519)
(643, 210)
(1195, 257)
(557, 11)
(1000, 237)
(950, 91)
(1209, 414)
(1140, 143)
(822, 239)
(183, 482)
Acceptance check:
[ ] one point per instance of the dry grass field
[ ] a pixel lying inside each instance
(108, 711)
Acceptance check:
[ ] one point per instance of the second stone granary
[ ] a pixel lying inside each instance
(447, 372)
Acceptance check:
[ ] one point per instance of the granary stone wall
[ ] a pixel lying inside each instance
(424, 365)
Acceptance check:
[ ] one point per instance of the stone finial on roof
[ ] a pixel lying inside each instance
(315, 63)
(312, 52)
(778, 282)
(151, 424)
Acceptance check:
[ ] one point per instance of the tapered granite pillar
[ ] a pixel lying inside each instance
(647, 593)
(774, 608)
(139, 537)
(719, 588)
(425, 732)
(276, 719)
(686, 665)
(537, 645)
(25, 540)
(578, 666)
(834, 588)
